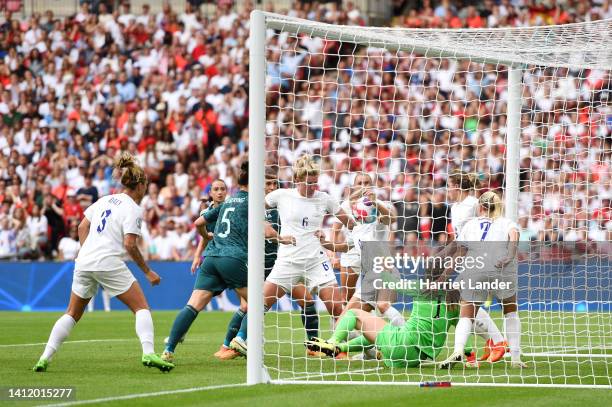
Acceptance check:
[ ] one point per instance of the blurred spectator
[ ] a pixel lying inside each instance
(171, 88)
(69, 245)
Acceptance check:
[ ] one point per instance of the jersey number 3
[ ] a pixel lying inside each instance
(102, 224)
(225, 220)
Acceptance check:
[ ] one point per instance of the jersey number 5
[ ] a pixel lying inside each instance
(225, 220)
(102, 224)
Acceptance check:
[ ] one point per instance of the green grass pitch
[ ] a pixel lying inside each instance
(102, 361)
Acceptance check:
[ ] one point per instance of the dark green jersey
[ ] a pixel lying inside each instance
(431, 320)
(272, 246)
(232, 226)
(210, 227)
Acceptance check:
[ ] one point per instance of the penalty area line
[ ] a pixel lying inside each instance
(141, 395)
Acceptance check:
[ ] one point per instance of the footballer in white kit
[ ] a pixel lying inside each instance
(301, 211)
(484, 229)
(302, 217)
(107, 234)
(466, 207)
(462, 212)
(101, 259)
(496, 266)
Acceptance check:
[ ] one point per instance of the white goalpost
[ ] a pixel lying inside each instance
(525, 109)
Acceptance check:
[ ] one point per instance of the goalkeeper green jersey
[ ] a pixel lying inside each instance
(430, 320)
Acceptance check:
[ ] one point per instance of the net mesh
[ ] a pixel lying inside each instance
(410, 106)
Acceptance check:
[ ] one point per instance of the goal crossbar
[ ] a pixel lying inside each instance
(552, 46)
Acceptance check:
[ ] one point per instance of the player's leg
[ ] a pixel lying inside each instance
(61, 329)
(367, 323)
(320, 278)
(462, 333)
(331, 295)
(348, 281)
(310, 316)
(238, 343)
(388, 311)
(183, 321)
(486, 328)
(135, 300)
(225, 352)
(208, 283)
(512, 328)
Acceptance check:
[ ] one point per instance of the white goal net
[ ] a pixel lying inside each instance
(525, 112)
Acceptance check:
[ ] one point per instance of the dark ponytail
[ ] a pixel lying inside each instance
(243, 176)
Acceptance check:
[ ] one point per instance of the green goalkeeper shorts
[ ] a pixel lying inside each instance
(218, 273)
(398, 346)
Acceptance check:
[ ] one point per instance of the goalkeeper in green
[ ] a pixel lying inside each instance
(421, 338)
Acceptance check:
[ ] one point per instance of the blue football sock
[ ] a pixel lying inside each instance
(233, 327)
(181, 325)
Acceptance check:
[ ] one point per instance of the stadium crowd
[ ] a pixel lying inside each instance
(171, 88)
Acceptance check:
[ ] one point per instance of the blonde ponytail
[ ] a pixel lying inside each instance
(491, 201)
(128, 172)
(305, 166)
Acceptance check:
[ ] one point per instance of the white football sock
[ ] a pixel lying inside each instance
(106, 300)
(144, 330)
(486, 328)
(512, 327)
(394, 317)
(462, 333)
(58, 335)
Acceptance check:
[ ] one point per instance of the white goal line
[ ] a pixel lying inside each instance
(408, 383)
(567, 355)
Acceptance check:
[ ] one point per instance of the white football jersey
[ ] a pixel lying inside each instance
(111, 218)
(301, 217)
(483, 229)
(365, 232)
(463, 211)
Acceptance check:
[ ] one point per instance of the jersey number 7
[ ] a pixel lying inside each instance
(484, 226)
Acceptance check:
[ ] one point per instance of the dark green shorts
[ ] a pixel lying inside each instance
(398, 346)
(219, 273)
(268, 270)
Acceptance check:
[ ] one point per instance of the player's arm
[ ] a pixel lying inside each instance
(209, 216)
(197, 256)
(345, 219)
(272, 234)
(332, 246)
(200, 225)
(386, 214)
(130, 242)
(513, 237)
(83, 230)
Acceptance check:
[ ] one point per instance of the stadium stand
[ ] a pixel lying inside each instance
(171, 88)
